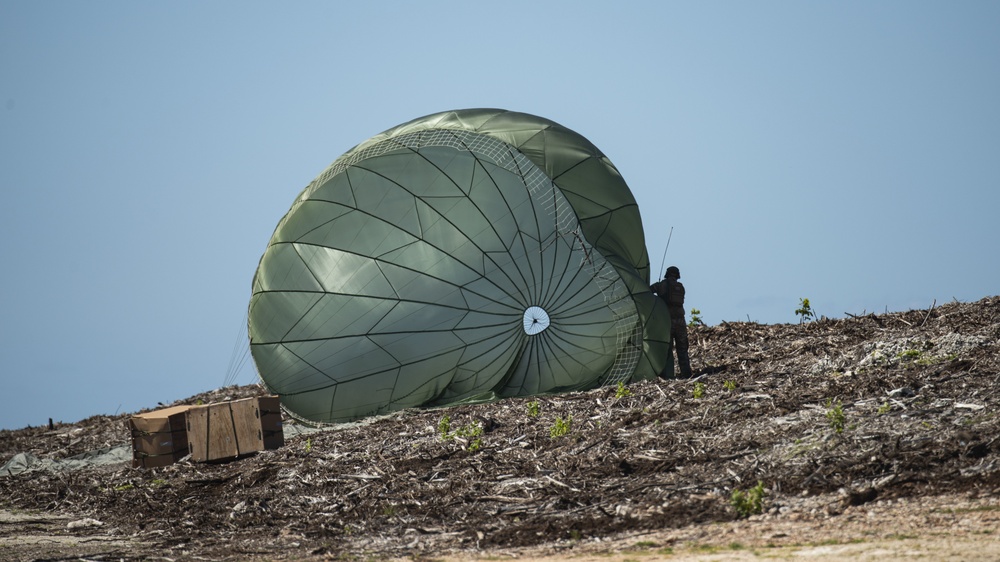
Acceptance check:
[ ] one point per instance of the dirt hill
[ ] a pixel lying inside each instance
(878, 428)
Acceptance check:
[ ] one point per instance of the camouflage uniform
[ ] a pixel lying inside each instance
(672, 292)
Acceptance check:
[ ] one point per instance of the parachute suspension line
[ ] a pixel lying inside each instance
(233, 355)
(627, 324)
(663, 261)
(240, 354)
(243, 362)
(586, 252)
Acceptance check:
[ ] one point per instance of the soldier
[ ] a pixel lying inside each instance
(672, 292)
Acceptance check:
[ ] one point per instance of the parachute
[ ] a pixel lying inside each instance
(463, 256)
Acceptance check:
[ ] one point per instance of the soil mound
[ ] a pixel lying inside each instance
(828, 423)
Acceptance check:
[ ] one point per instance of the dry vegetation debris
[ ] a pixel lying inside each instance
(826, 416)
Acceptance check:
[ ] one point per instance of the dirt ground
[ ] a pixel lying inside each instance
(872, 436)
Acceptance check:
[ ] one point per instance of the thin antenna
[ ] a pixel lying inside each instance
(664, 260)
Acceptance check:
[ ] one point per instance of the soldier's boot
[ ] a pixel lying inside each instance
(684, 362)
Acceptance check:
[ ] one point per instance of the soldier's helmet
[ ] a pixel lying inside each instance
(672, 271)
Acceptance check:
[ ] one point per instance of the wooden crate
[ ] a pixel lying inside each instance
(233, 429)
(222, 431)
(159, 437)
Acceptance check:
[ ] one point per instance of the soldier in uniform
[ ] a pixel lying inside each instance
(672, 292)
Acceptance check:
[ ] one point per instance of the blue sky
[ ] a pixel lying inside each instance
(847, 152)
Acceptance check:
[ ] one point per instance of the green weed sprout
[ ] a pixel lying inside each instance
(750, 502)
(622, 391)
(835, 415)
(805, 311)
(444, 427)
(533, 409)
(699, 390)
(695, 318)
(729, 385)
(561, 427)
(472, 431)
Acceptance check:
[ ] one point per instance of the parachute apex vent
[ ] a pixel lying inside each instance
(535, 320)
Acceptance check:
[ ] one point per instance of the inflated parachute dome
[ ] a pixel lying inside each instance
(467, 255)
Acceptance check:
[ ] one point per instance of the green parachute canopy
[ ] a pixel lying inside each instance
(466, 255)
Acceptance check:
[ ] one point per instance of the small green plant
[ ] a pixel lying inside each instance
(699, 390)
(729, 385)
(909, 354)
(885, 408)
(473, 433)
(622, 391)
(805, 311)
(561, 427)
(309, 444)
(750, 502)
(389, 510)
(835, 415)
(444, 428)
(534, 409)
(695, 318)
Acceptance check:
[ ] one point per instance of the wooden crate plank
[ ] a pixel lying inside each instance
(211, 435)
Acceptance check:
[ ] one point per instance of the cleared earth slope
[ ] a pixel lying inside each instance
(869, 430)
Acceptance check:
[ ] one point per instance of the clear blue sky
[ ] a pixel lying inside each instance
(847, 152)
